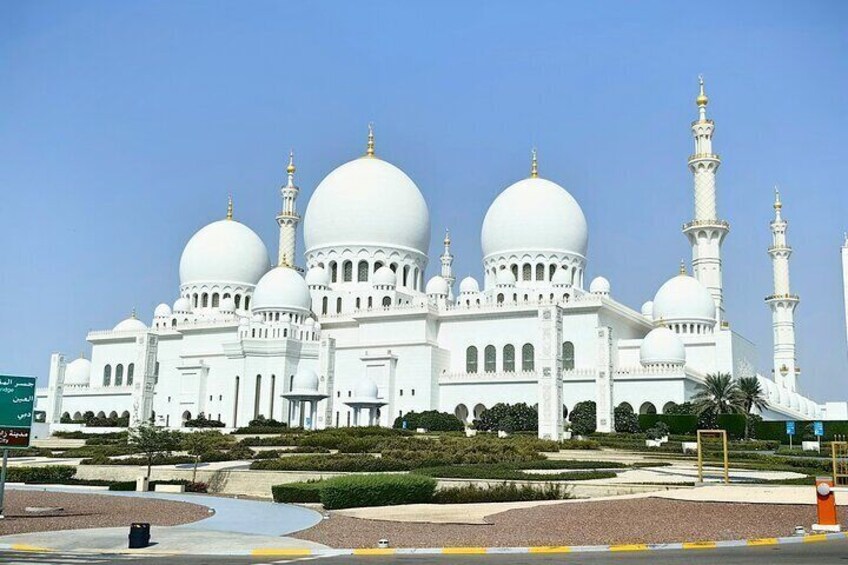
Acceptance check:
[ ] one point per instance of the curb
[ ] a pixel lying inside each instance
(299, 552)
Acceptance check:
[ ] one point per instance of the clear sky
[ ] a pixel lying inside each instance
(124, 125)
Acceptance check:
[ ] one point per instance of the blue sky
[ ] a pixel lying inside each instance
(125, 125)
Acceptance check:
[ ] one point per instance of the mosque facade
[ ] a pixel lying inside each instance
(358, 335)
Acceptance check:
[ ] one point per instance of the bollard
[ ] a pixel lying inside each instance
(826, 507)
(139, 535)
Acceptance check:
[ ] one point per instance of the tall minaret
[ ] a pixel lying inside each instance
(782, 303)
(288, 218)
(845, 278)
(706, 232)
(447, 265)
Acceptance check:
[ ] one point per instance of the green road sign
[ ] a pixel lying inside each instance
(17, 403)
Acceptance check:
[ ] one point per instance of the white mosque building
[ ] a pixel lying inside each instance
(363, 337)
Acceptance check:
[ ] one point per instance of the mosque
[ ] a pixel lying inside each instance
(362, 336)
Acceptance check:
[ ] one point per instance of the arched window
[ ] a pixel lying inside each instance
(130, 372)
(478, 410)
(271, 406)
(500, 298)
(362, 271)
(625, 406)
(647, 408)
(471, 359)
(119, 375)
(256, 395)
(509, 358)
(370, 301)
(174, 323)
(347, 271)
(528, 358)
(247, 303)
(204, 300)
(406, 275)
(358, 302)
(324, 304)
(514, 269)
(415, 278)
(490, 359)
(551, 271)
(567, 355)
(461, 412)
(377, 266)
(215, 300)
(387, 301)
(540, 272)
(186, 417)
(237, 301)
(107, 375)
(338, 305)
(668, 406)
(334, 271)
(526, 272)
(195, 300)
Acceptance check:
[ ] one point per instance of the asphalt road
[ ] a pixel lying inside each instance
(823, 553)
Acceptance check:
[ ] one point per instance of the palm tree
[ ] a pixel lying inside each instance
(719, 394)
(753, 396)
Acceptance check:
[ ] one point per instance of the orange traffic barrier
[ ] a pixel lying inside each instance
(826, 507)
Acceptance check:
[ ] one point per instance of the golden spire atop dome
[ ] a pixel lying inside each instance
(447, 236)
(777, 203)
(229, 206)
(534, 165)
(291, 168)
(682, 268)
(369, 152)
(702, 99)
(132, 314)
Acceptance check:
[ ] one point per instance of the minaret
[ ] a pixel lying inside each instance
(447, 265)
(782, 303)
(845, 278)
(706, 232)
(288, 218)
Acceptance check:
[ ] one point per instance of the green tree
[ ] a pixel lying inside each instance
(153, 441)
(583, 418)
(625, 419)
(199, 443)
(719, 394)
(753, 397)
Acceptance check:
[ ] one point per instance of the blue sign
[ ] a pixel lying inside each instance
(818, 428)
(790, 428)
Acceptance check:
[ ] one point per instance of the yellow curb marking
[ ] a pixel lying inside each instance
(463, 550)
(810, 538)
(763, 541)
(699, 545)
(374, 551)
(629, 547)
(270, 551)
(551, 549)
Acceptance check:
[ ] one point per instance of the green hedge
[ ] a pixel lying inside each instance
(506, 492)
(332, 463)
(687, 424)
(308, 491)
(509, 473)
(376, 490)
(140, 461)
(776, 430)
(431, 420)
(40, 475)
(579, 444)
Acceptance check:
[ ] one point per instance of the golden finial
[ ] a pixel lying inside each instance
(682, 267)
(777, 203)
(534, 166)
(284, 261)
(702, 99)
(290, 169)
(230, 207)
(370, 151)
(132, 314)
(447, 236)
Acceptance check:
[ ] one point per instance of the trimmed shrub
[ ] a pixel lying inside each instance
(376, 490)
(203, 422)
(510, 473)
(40, 475)
(139, 461)
(583, 418)
(431, 420)
(625, 419)
(332, 463)
(508, 418)
(279, 440)
(506, 492)
(263, 422)
(579, 444)
(297, 492)
(678, 424)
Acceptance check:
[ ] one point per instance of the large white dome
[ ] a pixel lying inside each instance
(78, 372)
(282, 288)
(534, 215)
(305, 380)
(225, 251)
(684, 298)
(662, 347)
(370, 202)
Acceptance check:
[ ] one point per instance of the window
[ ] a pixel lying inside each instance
(387, 301)
(526, 272)
(338, 305)
(471, 360)
(119, 375)
(130, 372)
(205, 300)
(514, 270)
(235, 403)
(247, 303)
(401, 392)
(413, 392)
(362, 274)
(156, 373)
(215, 300)
(527, 357)
(324, 303)
(334, 272)
(107, 375)
(347, 271)
(567, 355)
(271, 407)
(509, 358)
(540, 272)
(489, 359)
(406, 275)
(370, 302)
(256, 396)
(358, 302)
(500, 298)
(237, 301)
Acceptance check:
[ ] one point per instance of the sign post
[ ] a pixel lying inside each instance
(17, 403)
(818, 429)
(790, 431)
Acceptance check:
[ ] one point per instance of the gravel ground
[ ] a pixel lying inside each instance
(91, 511)
(644, 520)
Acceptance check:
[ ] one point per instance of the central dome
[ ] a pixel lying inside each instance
(283, 289)
(534, 215)
(225, 251)
(367, 202)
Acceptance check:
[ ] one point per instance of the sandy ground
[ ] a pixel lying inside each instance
(639, 520)
(91, 511)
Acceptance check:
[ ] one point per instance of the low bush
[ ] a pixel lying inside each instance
(506, 492)
(263, 422)
(278, 440)
(112, 438)
(579, 444)
(139, 461)
(53, 474)
(332, 463)
(625, 419)
(376, 490)
(297, 492)
(203, 422)
(508, 418)
(509, 473)
(151, 485)
(431, 420)
(104, 450)
(583, 418)
(30, 452)
(795, 452)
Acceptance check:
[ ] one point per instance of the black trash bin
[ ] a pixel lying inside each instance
(139, 535)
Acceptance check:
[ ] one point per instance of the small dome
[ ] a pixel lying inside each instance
(182, 305)
(469, 285)
(648, 309)
(365, 389)
(309, 322)
(162, 311)
(662, 347)
(438, 286)
(225, 251)
(384, 277)
(282, 288)
(305, 380)
(684, 298)
(600, 285)
(505, 278)
(227, 305)
(78, 372)
(561, 277)
(131, 324)
(318, 276)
